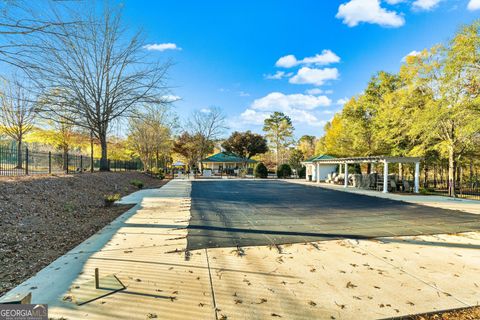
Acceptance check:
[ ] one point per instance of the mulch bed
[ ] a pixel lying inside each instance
(43, 217)
(469, 313)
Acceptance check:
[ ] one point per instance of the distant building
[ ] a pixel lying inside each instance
(226, 162)
(316, 171)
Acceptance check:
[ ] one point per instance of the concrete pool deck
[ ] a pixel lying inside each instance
(336, 279)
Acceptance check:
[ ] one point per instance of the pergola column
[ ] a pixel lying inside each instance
(417, 177)
(385, 176)
(346, 175)
(340, 168)
(318, 172)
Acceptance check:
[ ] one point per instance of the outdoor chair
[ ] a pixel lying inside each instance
(393, 185)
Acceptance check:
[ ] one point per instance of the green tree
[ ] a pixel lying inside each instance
(187, 145)
(284, 171)
(279, 132)
(261, 171)
(306, 144)
(245, 144)
(295, 159)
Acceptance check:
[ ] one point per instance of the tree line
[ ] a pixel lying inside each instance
(430, 108)
(76, 68)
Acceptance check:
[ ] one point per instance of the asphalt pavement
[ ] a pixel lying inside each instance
(237, 213)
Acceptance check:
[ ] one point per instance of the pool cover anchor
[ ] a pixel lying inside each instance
(97, 288)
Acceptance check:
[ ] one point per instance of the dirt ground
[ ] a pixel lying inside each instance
(462, 314)
(43, 217)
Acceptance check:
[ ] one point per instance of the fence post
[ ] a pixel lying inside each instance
(67, 162)
(26, 161)
(49, 162)
(81, 164)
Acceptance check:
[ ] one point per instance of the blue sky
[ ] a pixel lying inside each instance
(227, 53)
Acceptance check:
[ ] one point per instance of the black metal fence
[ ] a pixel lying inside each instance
(466, 190)
(25, 162)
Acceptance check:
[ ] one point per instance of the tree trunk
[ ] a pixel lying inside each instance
(19, 154)
(369, 168)
(425, 175)
(104, 158)
(471, 173)
(451, 172)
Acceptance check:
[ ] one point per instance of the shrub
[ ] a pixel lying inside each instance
(284, 171)
(302, 172)
(137, 183)
(111, 198)
(261, 171)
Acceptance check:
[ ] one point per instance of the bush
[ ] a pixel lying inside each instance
(109, 199)
(137, 183)
(302, 172)
(284, 171)
(261, 171)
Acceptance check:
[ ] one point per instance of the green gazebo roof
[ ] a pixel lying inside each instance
(227, 157)
(319, 157)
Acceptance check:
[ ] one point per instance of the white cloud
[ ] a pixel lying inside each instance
(244, 94)
(314, 76)
(287, 61)
(161, 47)
(324, 58)
(280, 101)
(368, 11)
(170, 98)
(205, 110)
(253, 116)
(473, 5)
(342, 101)
(277, 75)
(314, 91)
(425, 4)
(300, 107)
(394, 2)
(411, 54)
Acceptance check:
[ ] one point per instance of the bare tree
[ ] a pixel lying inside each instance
(22, 20)
(151, 134)
(103, 72)
(207, 126)
(17, 113)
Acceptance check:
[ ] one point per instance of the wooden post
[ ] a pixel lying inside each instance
(97, 282)
(49, 162)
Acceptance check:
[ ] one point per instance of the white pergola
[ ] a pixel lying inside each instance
(375, 159)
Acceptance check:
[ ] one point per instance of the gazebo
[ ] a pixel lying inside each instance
(318, 162)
